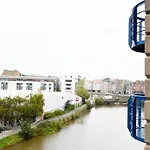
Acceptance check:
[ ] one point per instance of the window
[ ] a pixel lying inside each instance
(49, 86)
(19, 86)
(68, 84)
(68, 88)
(4, 85)
(43, 86)
(68, 80)
(29, 86)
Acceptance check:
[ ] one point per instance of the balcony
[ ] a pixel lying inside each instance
(136, 120)
(136, 37)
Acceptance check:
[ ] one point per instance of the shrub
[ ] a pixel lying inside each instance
(98, 102)
(69, 107)
(48, 115)
(58, 112)
(73, 116)
(89, 105)
(26, 131)
(48, 127)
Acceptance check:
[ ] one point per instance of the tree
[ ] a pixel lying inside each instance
(80, 84)
(32, 107)
(17, 108)
(83, 93)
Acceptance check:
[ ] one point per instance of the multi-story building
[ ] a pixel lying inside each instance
(106, 85)
(128, 87)
(97, 85)
(119, 86)
(77, 78)
(138, 86)
(88, 84)
(113, 87)
(67, 83)
(25, 85)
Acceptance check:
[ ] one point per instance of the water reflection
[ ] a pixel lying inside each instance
(101, 129)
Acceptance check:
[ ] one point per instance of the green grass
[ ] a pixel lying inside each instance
(10, 140)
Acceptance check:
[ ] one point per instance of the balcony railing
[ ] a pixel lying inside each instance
(136, 38)
(136, 120)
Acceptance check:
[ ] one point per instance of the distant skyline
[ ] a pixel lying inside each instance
(85, 37)
(90, 79)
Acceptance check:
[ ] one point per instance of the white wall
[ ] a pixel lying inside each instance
(57, 100)
(12, 90)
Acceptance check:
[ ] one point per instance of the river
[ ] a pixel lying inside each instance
(102, 129)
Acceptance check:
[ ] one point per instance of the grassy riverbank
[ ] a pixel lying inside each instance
(10, 140)
(44, 127)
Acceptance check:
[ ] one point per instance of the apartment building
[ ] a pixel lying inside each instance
(88, 84)
(106, 85)
(97, 85)
(138, 87)
(67, 83)
(119, 86)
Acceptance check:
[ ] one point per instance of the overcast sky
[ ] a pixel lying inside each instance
(54, 37)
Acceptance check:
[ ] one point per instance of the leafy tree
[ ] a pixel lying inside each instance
(36, 104)
(7, 109)
(80, 84)
(32, 107)
(17, 108)
(83, 93)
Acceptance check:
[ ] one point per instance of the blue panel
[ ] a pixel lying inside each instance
(136, 120)
(136, 37)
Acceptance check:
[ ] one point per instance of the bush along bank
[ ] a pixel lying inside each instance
(98, 102)
(57, 113)
(89, 105)
(43, 128)
(48, 127)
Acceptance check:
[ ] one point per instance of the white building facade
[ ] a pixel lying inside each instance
(24, 88)
(88, 85)
(67, 83)
(26, 85)
(97, 85)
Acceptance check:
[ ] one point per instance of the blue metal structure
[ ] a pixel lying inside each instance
(136, 41)
(136, 120)
(136, 38)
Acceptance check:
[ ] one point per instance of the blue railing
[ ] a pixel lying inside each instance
(136, 38)
(136, 120)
